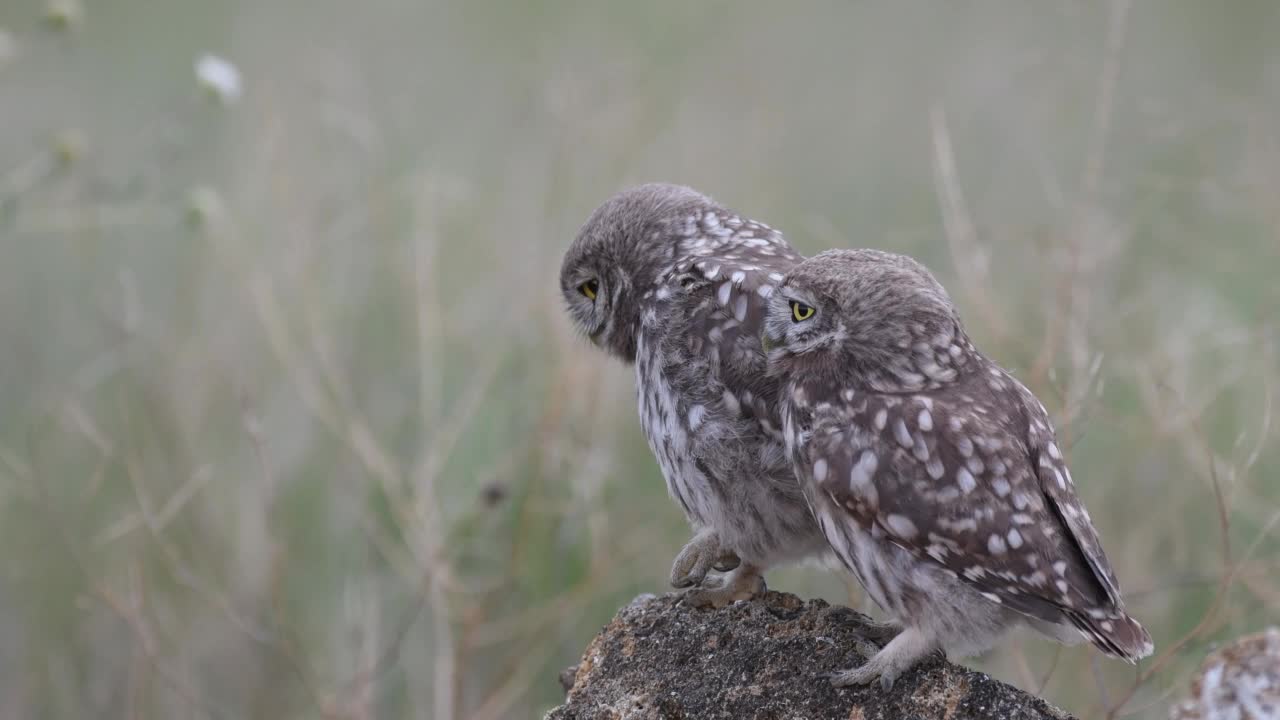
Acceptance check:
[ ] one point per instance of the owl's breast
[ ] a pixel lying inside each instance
(667, 431)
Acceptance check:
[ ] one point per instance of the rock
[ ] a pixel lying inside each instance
(764, 659)
(1239, 682)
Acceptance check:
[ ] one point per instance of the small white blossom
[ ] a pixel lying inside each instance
(219, 77)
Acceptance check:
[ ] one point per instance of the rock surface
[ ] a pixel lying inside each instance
(763, 660)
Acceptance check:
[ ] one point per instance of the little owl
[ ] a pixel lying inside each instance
(665, 278)
(933, 473)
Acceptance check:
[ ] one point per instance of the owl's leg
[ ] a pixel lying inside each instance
(880, 633)
(908, 648)
(743, 583)
(697, 558)
(877, 633)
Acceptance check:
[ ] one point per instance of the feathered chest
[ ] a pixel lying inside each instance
(667, 425)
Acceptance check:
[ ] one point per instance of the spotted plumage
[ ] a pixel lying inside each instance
(934, 474)
(665, 278)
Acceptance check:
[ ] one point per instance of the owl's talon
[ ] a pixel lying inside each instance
(886, 680)
(727, 561)
(849, 678)
(696, 559)
(865, 675)
(744, 583)
(683, 583)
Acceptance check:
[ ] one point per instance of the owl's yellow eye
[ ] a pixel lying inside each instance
(590, 288)
(800, 311)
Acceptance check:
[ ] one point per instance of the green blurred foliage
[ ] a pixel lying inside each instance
(292, 425)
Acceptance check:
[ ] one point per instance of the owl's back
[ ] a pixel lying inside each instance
(967, 484)
(707, 405)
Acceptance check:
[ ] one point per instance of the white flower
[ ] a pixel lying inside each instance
(219, 77)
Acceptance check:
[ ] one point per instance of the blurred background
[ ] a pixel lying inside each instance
(292, 423)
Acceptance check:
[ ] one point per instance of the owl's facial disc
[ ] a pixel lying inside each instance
(585, 292)
(591, 289)
(795, 324)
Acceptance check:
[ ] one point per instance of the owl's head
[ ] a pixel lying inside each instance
(865, 318)
(621, 253)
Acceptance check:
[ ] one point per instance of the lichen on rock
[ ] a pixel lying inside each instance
(1238, 682)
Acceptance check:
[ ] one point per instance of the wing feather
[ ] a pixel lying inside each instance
(1058, 487)
(951, 476)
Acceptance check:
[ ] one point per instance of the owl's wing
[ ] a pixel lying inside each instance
(1058, 488)
(952, 476)
(1104, 622)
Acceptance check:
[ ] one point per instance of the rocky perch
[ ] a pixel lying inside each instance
(762, 660)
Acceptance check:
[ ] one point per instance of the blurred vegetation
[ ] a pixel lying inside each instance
(291, 424)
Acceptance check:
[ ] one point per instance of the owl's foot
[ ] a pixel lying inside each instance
(702, 554)
(743, 583)
(727, 560)
(909, 647)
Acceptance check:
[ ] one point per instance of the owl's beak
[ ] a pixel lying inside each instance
(766, 342)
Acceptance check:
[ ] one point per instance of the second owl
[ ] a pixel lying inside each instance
(934, 474)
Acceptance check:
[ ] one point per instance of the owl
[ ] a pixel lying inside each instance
(664, 278)
(935, 475)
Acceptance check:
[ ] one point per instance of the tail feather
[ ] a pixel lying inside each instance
(1114, 633)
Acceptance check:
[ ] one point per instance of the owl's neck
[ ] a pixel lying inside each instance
(928, 357)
